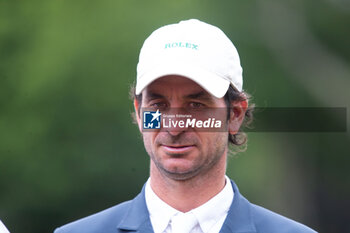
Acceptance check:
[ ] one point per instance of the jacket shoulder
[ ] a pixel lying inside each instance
(268, 221)
(106, 220)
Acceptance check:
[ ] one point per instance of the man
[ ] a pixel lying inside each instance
(188, 68)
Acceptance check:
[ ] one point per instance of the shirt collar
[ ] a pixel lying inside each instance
(162, 213)
(221, 203)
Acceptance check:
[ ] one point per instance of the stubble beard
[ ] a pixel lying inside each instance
(203, 169)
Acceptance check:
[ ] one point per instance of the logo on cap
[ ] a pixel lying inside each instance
(181, 45)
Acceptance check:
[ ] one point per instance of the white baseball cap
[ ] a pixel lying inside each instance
(195, 50)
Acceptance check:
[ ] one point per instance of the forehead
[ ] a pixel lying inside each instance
(174, 83)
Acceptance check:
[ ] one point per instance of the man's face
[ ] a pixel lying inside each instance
(182, 154)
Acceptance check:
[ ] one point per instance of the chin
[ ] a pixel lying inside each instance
(180, 174)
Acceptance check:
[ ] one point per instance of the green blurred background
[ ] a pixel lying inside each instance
(68, 147)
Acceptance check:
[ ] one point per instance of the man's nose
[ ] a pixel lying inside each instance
(176, 130)
(176, 124)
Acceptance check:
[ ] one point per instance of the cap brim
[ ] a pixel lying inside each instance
(211, 82)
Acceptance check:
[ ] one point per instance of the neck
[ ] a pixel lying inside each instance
(185, 195)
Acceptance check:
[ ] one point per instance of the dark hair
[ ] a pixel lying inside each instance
(240, 138)
(232, 95)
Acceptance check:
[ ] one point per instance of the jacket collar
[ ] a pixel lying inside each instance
(137, 216)
(239, 217)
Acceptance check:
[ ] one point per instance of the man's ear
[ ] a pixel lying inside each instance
(137, 114)
(237, 114)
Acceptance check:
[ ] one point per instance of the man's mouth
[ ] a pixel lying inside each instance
(177, 149)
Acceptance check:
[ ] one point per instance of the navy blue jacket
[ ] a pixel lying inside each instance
(133, 216)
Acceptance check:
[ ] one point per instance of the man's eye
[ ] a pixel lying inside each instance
(158, 105)
(196, 105)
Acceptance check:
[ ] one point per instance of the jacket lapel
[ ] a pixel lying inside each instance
(137, 218)
(239, 217)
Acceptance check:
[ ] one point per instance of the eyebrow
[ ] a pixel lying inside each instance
(202, 95)
(153, 95)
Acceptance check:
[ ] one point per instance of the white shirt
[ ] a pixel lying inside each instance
(210, 216)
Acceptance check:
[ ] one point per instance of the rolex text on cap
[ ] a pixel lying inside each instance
(193, 49)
